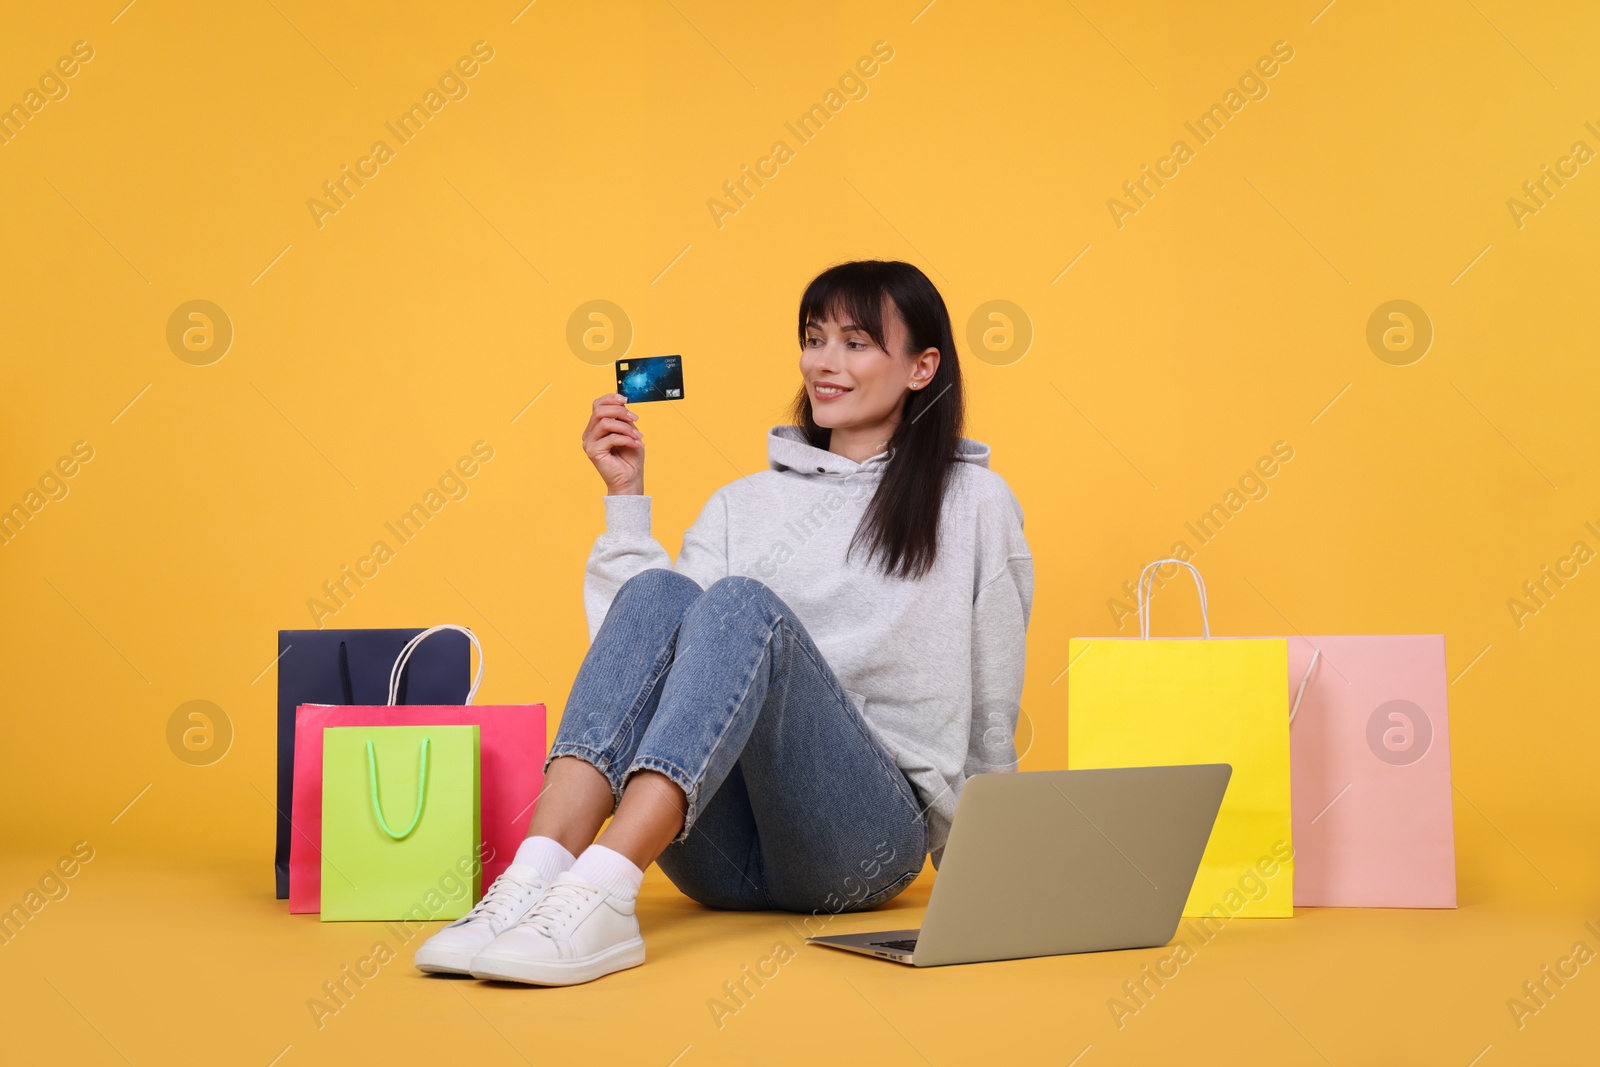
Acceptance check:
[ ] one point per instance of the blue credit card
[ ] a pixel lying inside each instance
(650, 378)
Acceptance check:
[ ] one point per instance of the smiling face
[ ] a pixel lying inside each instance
(858, 388)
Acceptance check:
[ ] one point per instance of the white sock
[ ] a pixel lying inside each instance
(610, 870)
(540, 857)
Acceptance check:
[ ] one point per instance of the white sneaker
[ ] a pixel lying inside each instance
(450, 951)
(576, 932)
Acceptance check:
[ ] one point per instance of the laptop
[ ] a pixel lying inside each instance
(1042, 863)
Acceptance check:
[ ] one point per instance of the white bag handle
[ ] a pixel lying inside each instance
(1145, 594)
(1316, 654)
(405, 654)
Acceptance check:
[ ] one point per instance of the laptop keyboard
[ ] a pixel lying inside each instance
(905, 945)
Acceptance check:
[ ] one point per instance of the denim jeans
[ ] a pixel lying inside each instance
(793, 802)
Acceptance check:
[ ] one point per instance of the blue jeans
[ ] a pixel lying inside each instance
(794, 804)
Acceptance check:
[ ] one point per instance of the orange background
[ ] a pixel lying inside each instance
(431, 312)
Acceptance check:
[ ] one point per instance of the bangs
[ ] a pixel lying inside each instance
(850, 294)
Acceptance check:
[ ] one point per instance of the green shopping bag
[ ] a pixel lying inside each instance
(399, 822)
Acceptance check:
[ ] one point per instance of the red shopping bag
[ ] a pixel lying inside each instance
(512, 751)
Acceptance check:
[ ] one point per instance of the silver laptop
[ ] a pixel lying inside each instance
(1041, 863)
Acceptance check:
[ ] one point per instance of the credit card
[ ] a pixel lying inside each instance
(650, 378)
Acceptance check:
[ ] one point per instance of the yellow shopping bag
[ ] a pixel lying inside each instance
(1143, 703)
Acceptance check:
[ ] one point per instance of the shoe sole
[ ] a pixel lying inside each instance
(443, 961)
(560, 972)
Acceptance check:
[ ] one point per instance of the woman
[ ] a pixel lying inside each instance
(783, 718)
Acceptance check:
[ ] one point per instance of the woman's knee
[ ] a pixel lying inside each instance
(655, 583)
(739, 586)
(730, 596)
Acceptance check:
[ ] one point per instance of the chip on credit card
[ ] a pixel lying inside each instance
(650, 378)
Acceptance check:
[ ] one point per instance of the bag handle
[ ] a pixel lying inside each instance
(1316, 654)
(1146, 593)
(405, 654)
(377, 805)
(347, 685)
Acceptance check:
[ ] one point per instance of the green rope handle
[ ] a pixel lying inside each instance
(377, 805)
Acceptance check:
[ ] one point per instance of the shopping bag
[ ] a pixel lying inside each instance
(1144, 702)
(511, 752)
(352, 667)
(399, 822)
(1369, 744)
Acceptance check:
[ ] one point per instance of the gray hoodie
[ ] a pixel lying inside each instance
(935, 664)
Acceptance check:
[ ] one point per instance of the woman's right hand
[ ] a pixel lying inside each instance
(614, 445)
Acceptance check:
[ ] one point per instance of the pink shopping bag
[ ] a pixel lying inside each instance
(511, 753)
(1369, 745)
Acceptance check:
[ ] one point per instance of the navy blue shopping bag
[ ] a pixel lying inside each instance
(352, 667)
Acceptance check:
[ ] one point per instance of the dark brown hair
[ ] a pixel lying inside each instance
(901, 524)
